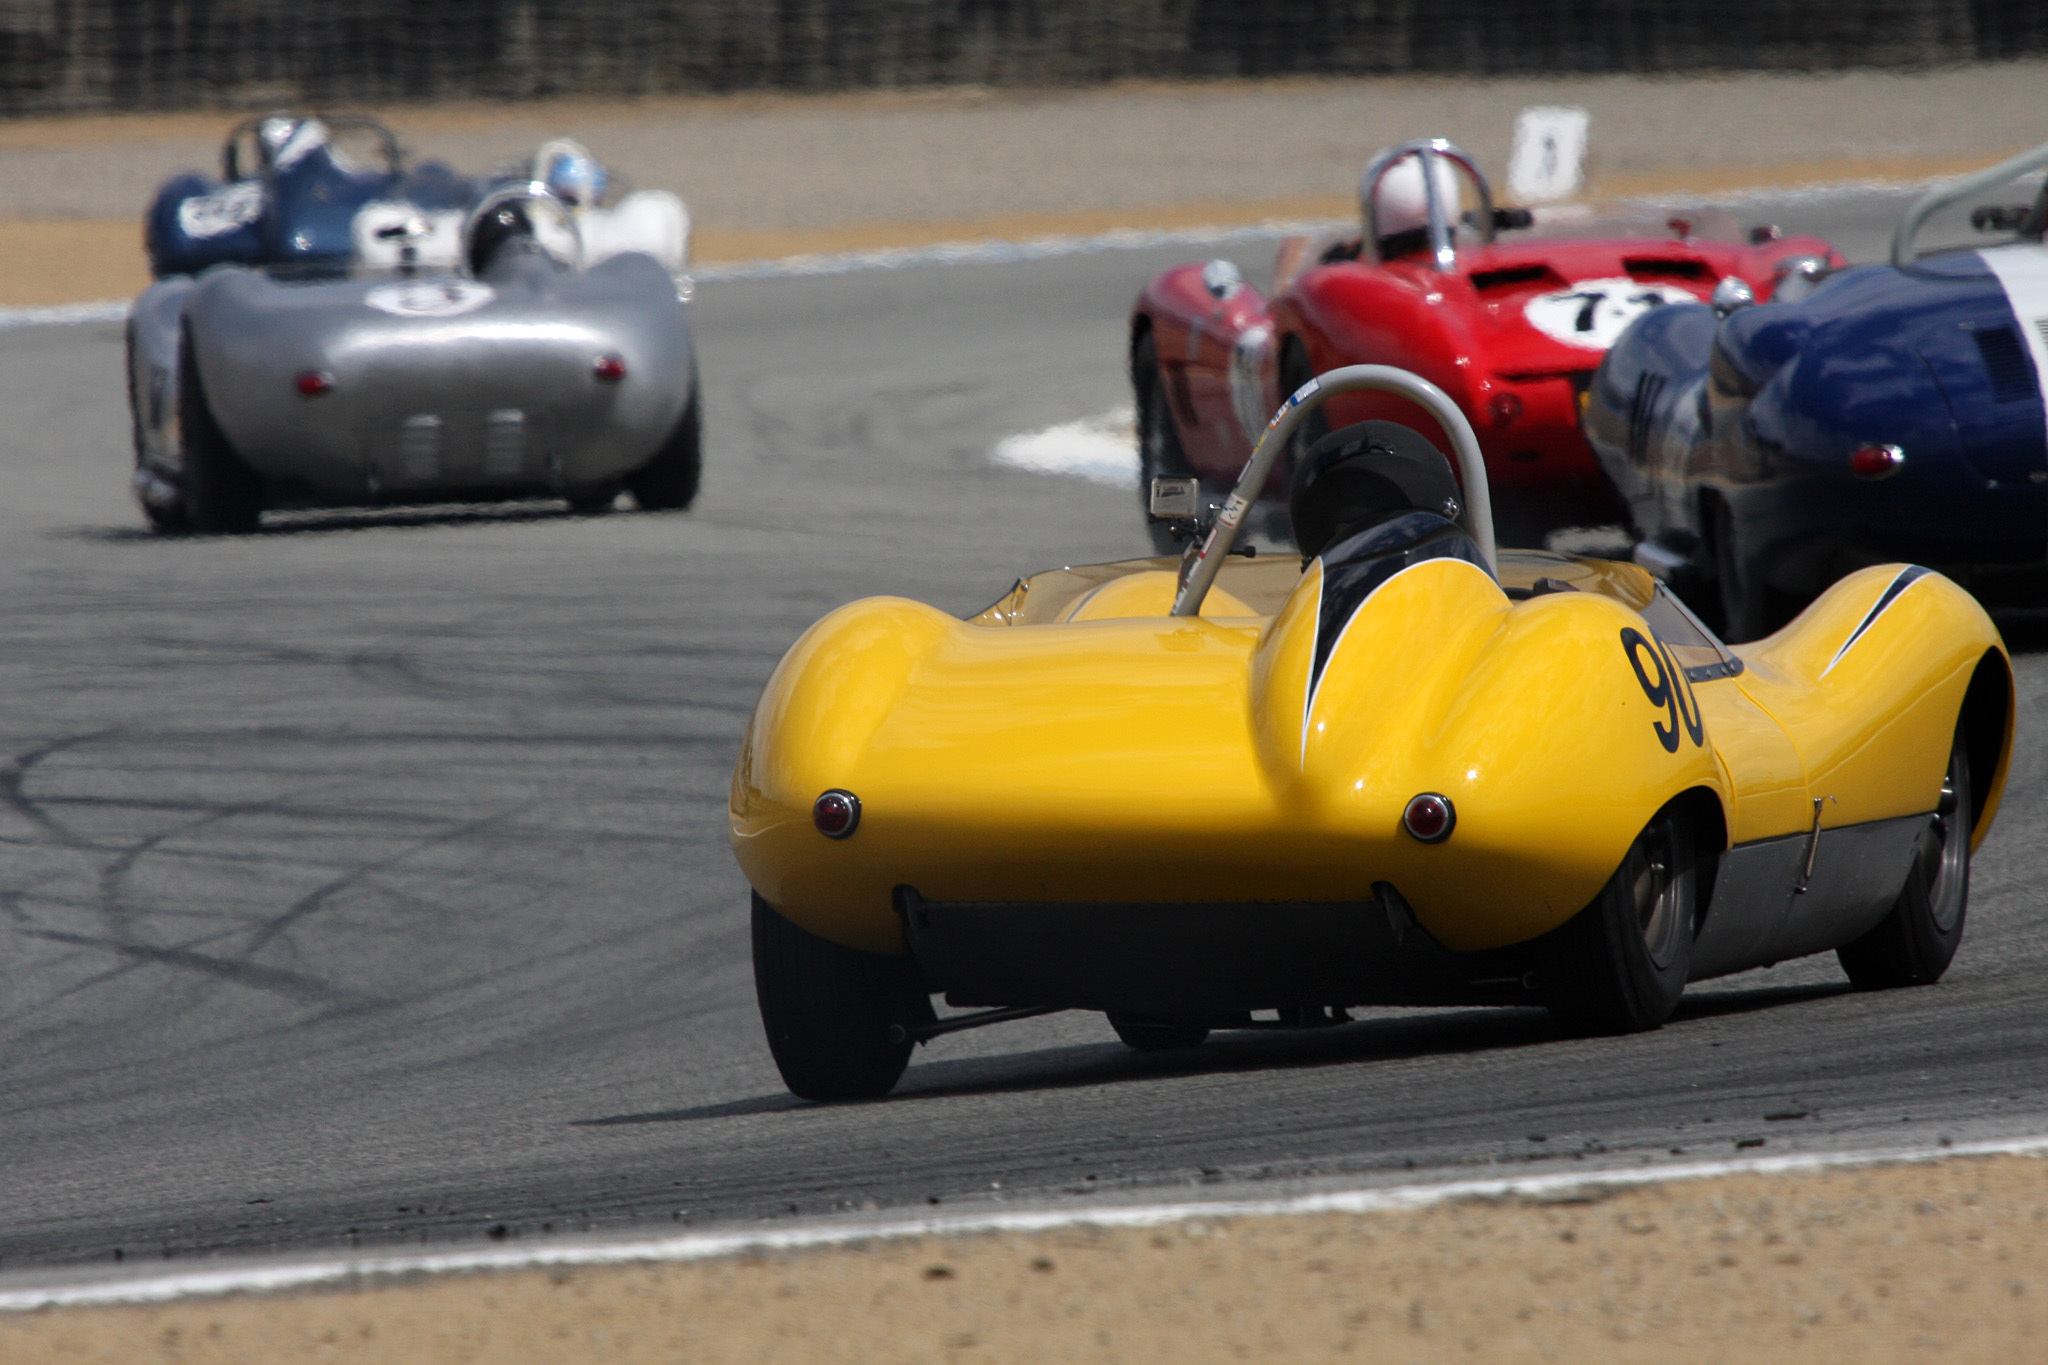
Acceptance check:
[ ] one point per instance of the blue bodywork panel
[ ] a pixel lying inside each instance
(1743, 427)
(300, 216)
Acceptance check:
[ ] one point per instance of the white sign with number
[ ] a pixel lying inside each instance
(1547, 162)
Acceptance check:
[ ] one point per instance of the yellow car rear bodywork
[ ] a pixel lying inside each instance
(1076, 744)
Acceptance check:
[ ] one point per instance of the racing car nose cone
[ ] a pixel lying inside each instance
(1430, 818)
(836, 813)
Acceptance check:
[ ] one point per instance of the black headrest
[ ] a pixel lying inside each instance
(1362, 474)
(506, 223)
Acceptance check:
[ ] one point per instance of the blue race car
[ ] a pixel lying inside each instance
(292, 192)
(1868, 415)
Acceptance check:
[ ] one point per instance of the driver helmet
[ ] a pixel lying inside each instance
(287, 138)
(568, 169)
(1400, 204)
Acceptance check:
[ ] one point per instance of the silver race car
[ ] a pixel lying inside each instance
(533, 342)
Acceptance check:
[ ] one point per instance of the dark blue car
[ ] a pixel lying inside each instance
(1878, 413)
(291, 195)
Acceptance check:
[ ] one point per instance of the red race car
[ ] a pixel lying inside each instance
(1511, 327)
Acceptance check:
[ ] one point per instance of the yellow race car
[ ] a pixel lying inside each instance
(1403, 769)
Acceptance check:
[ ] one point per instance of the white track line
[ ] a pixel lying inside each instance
(272, 1277)
(997, 252)
(1001, 252)
(992, 252)
(1100, 449)
(65, 314)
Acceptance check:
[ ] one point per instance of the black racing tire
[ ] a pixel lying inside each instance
(1148, 1034)
(1296, 370)
(164, 518)
(1917, 939)
(1160, 454)
(829, 1010)
(1620, 964)
(591, 502)
(134, 395)
(222, 495)
(1750, 607)
(668, 482)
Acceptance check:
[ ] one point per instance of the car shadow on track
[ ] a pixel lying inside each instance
(1383, 1038)
(355, 519)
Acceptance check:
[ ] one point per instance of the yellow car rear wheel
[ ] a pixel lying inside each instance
(1620, 965)
(836, 1018)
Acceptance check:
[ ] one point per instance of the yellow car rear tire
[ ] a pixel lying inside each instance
(835, 1016)
(1620, 964)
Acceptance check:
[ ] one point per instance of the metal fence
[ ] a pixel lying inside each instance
(154, 54)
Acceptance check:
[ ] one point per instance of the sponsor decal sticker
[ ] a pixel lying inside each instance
(429, 298)
(221, 211)
(1594, 313)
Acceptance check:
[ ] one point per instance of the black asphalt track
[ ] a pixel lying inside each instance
(365, 882)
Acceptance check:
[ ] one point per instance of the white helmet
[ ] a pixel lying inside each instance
(568, 169)
(1399, 202)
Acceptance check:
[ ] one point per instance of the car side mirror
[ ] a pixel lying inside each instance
(1730, 294)
(1799, 277)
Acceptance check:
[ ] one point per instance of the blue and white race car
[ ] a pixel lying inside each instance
(326, 194)
(290, 192)
(329, 329)
(1878, 413)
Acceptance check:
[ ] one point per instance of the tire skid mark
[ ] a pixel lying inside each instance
(14, 776)
(320, 895)
(115, 873)
(292, 985)
(398, 670)
(240, 651)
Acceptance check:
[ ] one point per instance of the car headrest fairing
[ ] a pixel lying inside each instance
(1363, 474)
(493, 230)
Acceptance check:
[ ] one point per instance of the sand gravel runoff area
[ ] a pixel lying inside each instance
(1930, 1261)
(774, 176)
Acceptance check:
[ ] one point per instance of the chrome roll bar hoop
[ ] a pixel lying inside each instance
(1443, 247)
(1954, 191)
(1215, 547)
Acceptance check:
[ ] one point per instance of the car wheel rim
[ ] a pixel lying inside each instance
(1942, 848)
(1659, 896)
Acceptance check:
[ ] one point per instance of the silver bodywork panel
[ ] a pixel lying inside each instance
(1758, 916)
(440, 386)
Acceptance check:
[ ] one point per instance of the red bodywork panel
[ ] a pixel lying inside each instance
(1512, 334)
